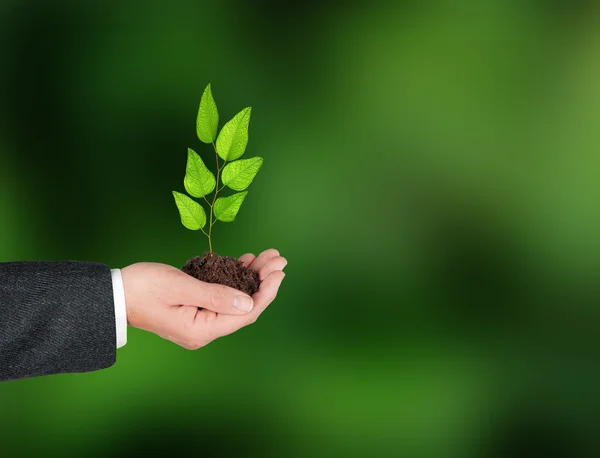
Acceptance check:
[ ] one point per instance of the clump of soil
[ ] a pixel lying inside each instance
(225, 270)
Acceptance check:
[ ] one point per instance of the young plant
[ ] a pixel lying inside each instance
(233, 173)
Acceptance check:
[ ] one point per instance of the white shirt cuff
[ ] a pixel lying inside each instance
(120, 307)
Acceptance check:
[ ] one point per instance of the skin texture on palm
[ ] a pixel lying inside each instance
(175, 306)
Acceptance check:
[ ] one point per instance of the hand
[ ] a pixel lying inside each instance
(191, 313)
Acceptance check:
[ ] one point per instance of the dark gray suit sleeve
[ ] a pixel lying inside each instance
(55, 317)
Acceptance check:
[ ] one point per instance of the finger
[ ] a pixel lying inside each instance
(223, 325)
(267, 291)
(187, 290)
(273, 264)
(247, 259)
(263, 258)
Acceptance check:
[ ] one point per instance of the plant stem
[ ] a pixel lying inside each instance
(214, 199)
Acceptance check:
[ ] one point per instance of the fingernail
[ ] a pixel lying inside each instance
(243, 303)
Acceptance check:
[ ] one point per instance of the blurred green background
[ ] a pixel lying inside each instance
(431, 174)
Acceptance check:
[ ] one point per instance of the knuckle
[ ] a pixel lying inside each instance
(279, 262)
(194, 344)
(194, 341)
(272, 296)
(209, 319)
(252, 319)
(217, 297)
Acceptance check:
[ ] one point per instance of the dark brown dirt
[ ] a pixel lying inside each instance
(224, 270)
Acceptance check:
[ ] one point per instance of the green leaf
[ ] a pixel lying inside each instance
(198, 181)
(192, 214)
(239, 174)
(226, 208)
(233, 137)
(208, 117)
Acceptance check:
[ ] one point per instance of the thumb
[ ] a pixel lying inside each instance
(212, 296)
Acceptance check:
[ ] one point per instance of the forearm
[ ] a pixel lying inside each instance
(55, 317)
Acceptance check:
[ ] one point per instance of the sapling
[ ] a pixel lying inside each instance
(199, 182)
